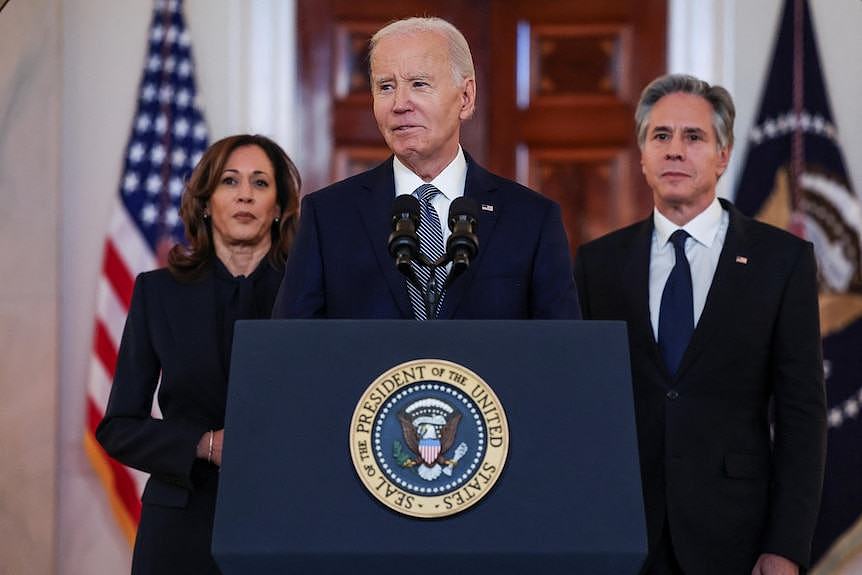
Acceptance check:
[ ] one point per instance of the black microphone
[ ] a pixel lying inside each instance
(463, 244)
(403, 241)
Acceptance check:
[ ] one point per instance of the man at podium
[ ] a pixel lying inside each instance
(723, 331)
(423, 86)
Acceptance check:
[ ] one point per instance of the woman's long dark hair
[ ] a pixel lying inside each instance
(188, 262)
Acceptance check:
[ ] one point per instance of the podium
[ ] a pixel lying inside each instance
(568, 499)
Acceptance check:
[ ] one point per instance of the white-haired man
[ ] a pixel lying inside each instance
(423, 86)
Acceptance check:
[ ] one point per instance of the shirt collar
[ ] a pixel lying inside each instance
(703, 227)
(450, 181)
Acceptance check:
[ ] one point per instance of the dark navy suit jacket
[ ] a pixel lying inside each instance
(340, 267)
(709, 465)
(171, 334)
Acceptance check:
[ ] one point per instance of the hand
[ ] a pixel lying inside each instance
(203, 450)
(771, 564)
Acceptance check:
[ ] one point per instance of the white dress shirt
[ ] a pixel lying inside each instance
(707, 230)
(450, 182)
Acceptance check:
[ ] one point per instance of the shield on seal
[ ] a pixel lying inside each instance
(429, 449)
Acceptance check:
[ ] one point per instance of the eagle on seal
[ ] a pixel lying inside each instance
(429, 427)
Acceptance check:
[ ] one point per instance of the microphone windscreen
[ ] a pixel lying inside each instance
(463, 207)
(406, 204)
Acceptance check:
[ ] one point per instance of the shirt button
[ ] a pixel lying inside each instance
(672, 394)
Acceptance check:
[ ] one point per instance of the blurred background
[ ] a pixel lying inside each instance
(557, 81)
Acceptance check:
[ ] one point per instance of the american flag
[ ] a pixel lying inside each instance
(795, 177)
(168, 137)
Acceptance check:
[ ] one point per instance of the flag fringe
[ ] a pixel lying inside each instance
(843, 552)
(99, 460)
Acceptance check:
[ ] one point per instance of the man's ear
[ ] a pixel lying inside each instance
(468, 99)
(723, 160)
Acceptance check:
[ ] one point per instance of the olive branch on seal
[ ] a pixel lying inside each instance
(400, 455)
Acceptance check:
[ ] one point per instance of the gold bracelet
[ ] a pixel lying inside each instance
(210, 452)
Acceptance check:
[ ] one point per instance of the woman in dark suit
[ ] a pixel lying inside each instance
(239, 209)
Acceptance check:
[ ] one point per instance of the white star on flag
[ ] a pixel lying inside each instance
(157, 154)
(178, 158)
(136, 152)
(143, 123)
(130, 182)
(154, 184)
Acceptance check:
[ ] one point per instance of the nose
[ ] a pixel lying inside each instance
(675, 149)
(401, 101)
(245, 192)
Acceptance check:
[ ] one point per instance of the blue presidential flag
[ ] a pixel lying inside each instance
(795, 177)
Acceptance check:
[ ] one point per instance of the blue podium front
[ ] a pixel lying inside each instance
(567, 498)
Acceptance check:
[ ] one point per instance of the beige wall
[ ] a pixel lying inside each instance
(29, 257)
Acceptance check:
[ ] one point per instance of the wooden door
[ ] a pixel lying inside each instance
(558, 81)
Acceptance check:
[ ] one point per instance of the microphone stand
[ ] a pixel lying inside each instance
(432, 291)
(460, 249)
(432, 295)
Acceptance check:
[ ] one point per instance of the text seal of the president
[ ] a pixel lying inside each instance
(429, 438)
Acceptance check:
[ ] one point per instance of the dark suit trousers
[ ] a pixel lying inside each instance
(662, 560)
(179, 539)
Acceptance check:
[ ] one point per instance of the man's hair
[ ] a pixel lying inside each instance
(723, 111)
(459, 52)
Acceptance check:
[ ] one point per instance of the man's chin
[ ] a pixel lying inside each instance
(406, 154)
(675, 192)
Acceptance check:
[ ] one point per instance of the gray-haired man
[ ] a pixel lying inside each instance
(723, 322)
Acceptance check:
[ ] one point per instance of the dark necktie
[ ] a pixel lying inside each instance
(676, 316)
(431, 244)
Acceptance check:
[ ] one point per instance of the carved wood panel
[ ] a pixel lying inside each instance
(587, 183)
(350, 160)
(563, 115)
(574, 64)
(557, 82)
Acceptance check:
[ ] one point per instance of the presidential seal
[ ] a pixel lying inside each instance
(429, 438)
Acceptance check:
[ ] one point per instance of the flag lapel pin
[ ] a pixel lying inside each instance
(741, 260)
(487, 208)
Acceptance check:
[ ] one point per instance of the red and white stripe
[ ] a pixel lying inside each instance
(126, 254)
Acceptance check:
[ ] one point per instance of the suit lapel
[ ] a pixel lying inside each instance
(634, 276)
(375, 207)
(731, 275)
(480, 187)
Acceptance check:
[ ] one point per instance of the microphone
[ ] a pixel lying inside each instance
(403, 241)
(463, 244)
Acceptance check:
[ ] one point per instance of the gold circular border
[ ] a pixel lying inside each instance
(391, 382)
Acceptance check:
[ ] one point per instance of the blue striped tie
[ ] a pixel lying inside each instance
(431, 244)
(676, 315)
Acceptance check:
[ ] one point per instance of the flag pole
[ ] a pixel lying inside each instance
(797, 154)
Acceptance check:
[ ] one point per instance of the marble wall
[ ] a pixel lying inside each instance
(29, 259)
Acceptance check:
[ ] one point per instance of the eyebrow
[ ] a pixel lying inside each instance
(237, 171)
(391, 77)
(685, 130)
(694, 130)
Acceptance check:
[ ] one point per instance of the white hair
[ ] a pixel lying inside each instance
(459, 52)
